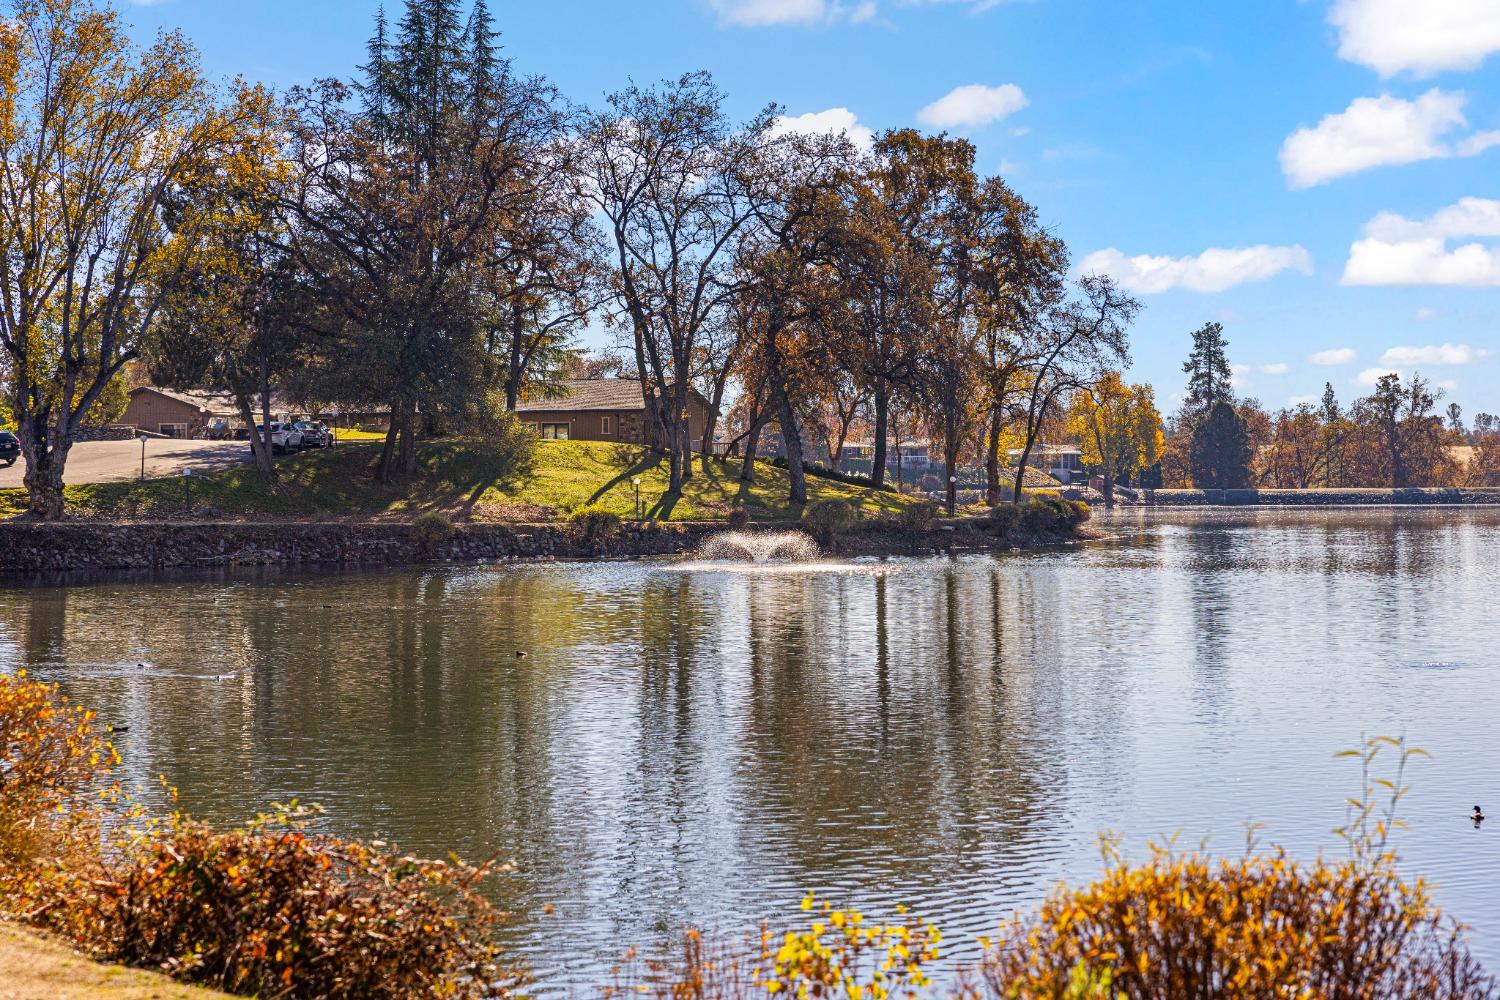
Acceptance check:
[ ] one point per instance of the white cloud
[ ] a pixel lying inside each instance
(763, 13)
(1432, 354)
(973, 105)
(759, 13)
(1277, 368)
(1213, 270)
(1396, 250)
(1333, 356)
(833, 120)
(1425, 314)
(1380, 131)
(1372, 375)
(1421, 262)
(1466, 217)
(1416, 36)
(1019, 132)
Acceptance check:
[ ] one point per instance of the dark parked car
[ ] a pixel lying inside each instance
(10, 448)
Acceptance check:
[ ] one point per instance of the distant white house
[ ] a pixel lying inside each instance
(1062, 462)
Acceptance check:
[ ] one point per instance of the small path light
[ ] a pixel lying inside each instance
(187, 489)
(143, 458)
(636, 482)
(952, 494)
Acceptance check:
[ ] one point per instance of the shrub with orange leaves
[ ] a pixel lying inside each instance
(274, 909)
(1187, 925)
(50, 752)
(1184, 926)
(277, 910)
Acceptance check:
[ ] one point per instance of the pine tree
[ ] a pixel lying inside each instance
(1207, 368)
(1330, 408)
(1220, 454)
(482, 57)
(375, 88)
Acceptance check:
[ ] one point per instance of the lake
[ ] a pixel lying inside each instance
(700, 746)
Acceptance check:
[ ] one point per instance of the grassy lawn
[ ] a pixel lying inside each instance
(463, 480)
(32, 966)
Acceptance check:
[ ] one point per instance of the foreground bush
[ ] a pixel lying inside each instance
(839, 954)
(595, 523)
(273, 909)
(1189, 926)
(50, 752)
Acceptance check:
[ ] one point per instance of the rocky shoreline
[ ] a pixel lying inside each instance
(92, 547)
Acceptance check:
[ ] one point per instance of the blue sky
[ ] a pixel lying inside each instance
(1318, 176)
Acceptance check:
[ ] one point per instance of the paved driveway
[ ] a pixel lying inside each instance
(109, 461)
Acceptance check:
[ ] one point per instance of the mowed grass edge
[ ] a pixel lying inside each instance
(464, 479)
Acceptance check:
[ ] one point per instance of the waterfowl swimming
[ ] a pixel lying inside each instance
(1478, 815)
(520, 654)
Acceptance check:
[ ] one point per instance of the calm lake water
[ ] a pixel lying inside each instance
(702, 746)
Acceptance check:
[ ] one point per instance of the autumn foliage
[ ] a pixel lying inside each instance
(1189, 925)
(274, 909)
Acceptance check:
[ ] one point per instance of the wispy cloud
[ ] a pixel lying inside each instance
(973, 105)
(1432, 354)
(1213, 270)
(1333, 356)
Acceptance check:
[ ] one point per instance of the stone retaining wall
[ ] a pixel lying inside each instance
(87, 546)
(1322, 498)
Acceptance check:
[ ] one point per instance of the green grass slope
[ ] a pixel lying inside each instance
(464, 480)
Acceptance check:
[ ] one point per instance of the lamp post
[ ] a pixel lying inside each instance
(952, 494)
(187, 489)
(636, 482)
(143, 458)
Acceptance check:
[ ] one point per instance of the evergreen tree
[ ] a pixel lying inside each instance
(1330, 407)
(375, 88)
(1220, 452)
(1207, 368)
(482, 54)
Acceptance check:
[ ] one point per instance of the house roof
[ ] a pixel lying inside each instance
(212, 402)
(589, 394)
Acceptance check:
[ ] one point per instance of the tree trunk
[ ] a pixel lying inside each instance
(1109, 489)
(791, 436)
(260, 447)
(44, 467)
(516, 373)
(950, 461)
(992, 460)
(752, 445)
(882, 416)
(408, 448)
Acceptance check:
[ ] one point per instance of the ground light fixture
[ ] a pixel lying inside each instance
(636, 482)
(952, 494)
(143, 458)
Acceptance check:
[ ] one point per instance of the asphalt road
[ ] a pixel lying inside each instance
(111, 461)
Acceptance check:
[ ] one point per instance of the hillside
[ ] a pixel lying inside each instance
(462, 479)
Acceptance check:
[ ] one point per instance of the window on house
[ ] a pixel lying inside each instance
(555, 432)
(172, 430)
(606, 427)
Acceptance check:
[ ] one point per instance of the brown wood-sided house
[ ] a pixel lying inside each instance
(186, 414)
(602, 409)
